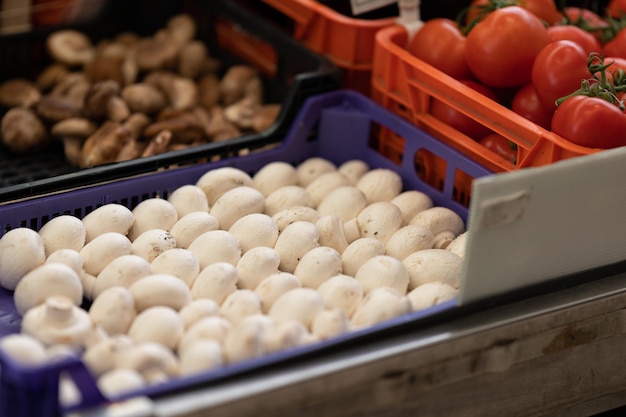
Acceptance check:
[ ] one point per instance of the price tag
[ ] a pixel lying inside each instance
(362, 6)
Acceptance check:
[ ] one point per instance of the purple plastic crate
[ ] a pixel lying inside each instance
(335, 126)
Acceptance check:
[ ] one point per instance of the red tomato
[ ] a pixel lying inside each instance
(591, 122)
(558, 71)
(586, 19)
(545, 10)
(440, 43)
(574, 33)
(616, 8)
(500, 146)
(616, 46)
(458, 120)
(617, 64)
(527, 104)
(501, 48)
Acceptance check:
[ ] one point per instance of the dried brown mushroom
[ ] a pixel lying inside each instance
(104, 145)
(192, 59)
(79, 127)
(51, 76)
(18, 92)
(157, 52)
(238, 82)
(143, 98)
(185, 128)
(97, 98)
(56, 108)
(70, 47)
(23, 131)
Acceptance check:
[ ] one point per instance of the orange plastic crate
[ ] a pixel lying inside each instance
(405, 84)
(348, 42)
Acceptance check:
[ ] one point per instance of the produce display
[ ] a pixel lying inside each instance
(559, 67)
(131, 96)
(232, 267)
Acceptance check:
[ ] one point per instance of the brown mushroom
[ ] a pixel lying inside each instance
(157, 52)
(55, 108)
(208, 91)
(117, 109)
(104, 145)
(238, 82)
(192, 59)
(158, 144)
(185, 128)
(97, 98)
(74, 86)
(22, 131)
(18, 92)
(182, 28)
(79, 127)
(143, 98)
(51, 76)
(70, 47)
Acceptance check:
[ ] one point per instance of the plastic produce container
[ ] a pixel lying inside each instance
(336, 125)
(289, 70)
(405, 85)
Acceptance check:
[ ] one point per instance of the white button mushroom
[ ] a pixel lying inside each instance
(121, 271)
(380, 184)
(98, 253)
(343, 292)
(332, 233)
(345, 202)
(113, 310)
(118, 381)
(358, 252)
(216, 246)
(294, 214)
(329, 323)
(311, 168)
(192, 225)
(239, 304)
(24, 349)
(383, 271)
(443, 222)
(297, 239)
(246, 339)
(108, 218)
(319, 188)
(412, 202)
(45, 281)
(158, 324)
(430, 265)
(286, 197)
(253, 230)
(430, 294)
(217, 181)
(275, 285)
(273, 176)
(381, 304)
(152, 243)
(351, 230)
(153, 213)
(188, 199)
(317, 265)
(154, 361)
(354, 169)
(58, 321)
(236, 203)
(286, 335)
(409, 239)
(300, 304)
(100, 357)
(255, 265)
(63, 232)
(215, 282)
(209, 328)
(160, 290)
(21, 251)
(458, 245)
(379, 220)
(181, 263)
(201, 356)
(72, 258)
(197, 310)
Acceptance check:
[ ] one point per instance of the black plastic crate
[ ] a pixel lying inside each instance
(290, 75)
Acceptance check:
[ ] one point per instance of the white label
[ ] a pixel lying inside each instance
(362, 6)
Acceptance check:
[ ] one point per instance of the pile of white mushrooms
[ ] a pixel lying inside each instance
(233, 267)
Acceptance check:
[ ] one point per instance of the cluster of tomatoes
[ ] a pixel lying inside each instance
(560, 67)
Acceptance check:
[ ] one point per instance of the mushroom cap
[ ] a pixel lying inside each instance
(216, 281)
(254, 230)
(79, 127)
(216, 246)
(430, 265)
(345, 202)
(409, 239)
(412, 202)
(293, 214)
(332, 233)
(431, 293)
(380, 184)
(317, 265)
(70, 47)
(301, 304)
(147, 357)
(274, 175)
(201, 356)
(113, 310)
(181, 263)
(110, 217)
(21, 250)
(330, 323)
(321, 186)
(208, 328)
(358, 252)
(152, 243)
(246, 339)
(443, 222)
(311, 168)
(286, 197)
(153, 213)
(275, 285)
(159, 324)
(18, 92)
(23, 131)
(121, 271)
(99, 358)
(379, 305)
(192, 225)
(379, 220)
(383, 271)
(354, 169)
(286, 335)
(23, 349)
(239, 304)
(255, 265)
(63, 232)
(197, 310)
(295, 240)
(217, 181)
(103, 249)
(119, 380)
(44, 281)
(188, 199)
(236, 203)
(343, 292)
(459, 244)
(160, 290)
